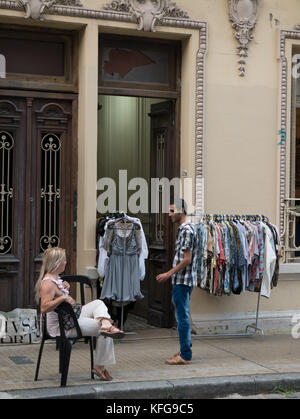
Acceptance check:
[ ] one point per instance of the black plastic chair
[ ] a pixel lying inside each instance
(82, 280)
(64, 344)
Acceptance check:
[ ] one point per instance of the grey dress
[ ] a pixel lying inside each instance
(122, 273)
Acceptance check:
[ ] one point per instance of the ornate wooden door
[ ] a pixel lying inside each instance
(164, 164)
(37, 188)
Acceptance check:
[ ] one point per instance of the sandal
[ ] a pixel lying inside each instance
(177, 360)
(108, 376)
(112, 332)
(103, 374)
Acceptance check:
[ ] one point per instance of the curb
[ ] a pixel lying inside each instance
(189, 388)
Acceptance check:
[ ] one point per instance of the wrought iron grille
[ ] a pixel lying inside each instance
(7, 144)
(50, 190)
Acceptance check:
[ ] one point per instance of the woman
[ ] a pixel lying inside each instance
(94, 319)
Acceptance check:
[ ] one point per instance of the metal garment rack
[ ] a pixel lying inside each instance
(246, 334)
(254, 327)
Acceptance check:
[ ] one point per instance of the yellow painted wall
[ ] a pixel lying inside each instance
(241, 124)
(282, 298)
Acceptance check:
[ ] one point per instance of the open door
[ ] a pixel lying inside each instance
(164, 164)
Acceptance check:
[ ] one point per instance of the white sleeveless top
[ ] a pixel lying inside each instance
(52, 317)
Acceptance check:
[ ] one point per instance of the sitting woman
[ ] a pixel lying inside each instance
(94, 319)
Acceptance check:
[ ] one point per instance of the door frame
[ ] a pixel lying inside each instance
(30, 186)
(164, 95)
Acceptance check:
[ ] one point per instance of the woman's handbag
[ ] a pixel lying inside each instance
(68, 320)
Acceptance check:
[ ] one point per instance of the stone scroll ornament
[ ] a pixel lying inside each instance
(34, 9)
(147, 12)
(243, 15)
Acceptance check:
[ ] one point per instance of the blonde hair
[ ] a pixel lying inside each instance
(53, 257)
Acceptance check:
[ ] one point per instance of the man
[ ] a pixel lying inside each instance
(184, 278)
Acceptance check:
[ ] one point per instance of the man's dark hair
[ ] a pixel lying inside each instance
(180, 205)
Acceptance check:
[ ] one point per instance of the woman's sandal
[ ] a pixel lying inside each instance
(112, 332)
(103, 374)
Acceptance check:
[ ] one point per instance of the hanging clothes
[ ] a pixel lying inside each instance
(237, 255)
(120, 260)
(144, 250)
(103, 256)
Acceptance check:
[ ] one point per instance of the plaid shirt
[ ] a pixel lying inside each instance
(186, 239)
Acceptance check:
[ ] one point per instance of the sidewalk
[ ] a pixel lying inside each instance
(220, 366)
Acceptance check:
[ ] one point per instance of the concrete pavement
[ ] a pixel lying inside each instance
(220, 366)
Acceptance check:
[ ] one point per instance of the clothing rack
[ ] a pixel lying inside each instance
(245, 334)
(250, 329)
(232, 217)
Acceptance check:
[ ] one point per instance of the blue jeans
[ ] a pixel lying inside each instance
(181, 299)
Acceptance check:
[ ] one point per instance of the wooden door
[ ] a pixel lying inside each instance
(38, 166)
(164, 164)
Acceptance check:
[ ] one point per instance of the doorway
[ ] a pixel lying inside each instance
(137, 138)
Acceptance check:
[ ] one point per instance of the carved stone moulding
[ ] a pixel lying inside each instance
(243, 15)
(34, 9)
(284, 35)
(148, 13)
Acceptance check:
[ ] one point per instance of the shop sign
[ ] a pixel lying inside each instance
(19, 326)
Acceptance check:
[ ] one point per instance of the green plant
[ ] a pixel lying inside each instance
(285, 391)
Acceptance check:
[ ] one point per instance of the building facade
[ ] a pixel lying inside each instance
(206, 91)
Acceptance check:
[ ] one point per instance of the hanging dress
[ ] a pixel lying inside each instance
(122, 272)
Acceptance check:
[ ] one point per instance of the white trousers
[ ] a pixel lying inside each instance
(105, 352)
